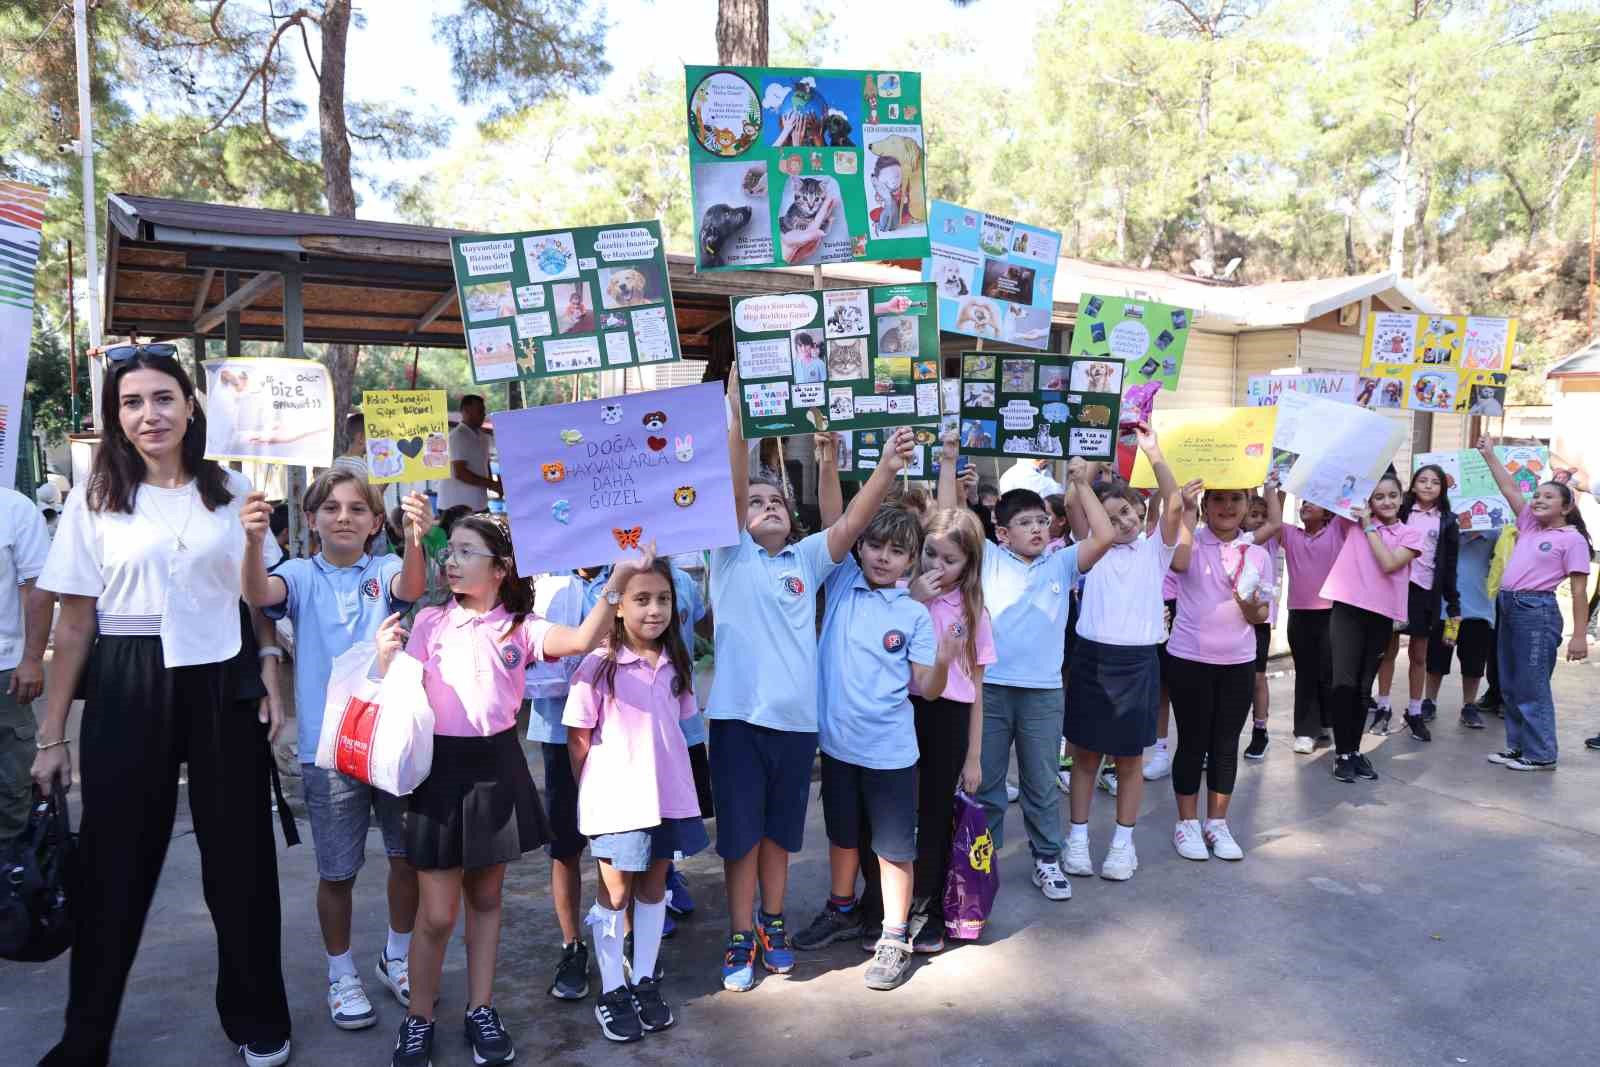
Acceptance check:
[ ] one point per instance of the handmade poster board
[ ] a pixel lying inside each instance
(1474, 496)
(1017, 404)
(1263, 390)
(21, 220)
(408, 434)
(275, 409)
(1441, 363)
(1344, 449)
(838, 359)
(995, 277)
(860, 450)
(540, 303)
(589, 481)
(1148, 338)
(1227, 448)
(800, 166)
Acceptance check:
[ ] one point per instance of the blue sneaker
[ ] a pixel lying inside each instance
(679, 902)
(776, 955)
(738, 963)
(668, 927)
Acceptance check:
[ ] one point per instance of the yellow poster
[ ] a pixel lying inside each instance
(1227, 448)
(407, 434)
(1442, 363)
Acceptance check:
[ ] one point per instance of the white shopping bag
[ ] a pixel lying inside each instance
(377, 731)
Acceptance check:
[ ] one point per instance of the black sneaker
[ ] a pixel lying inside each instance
(1363, 767)
(1430, 711)
(1380, 722)
(1258, 743)
(617, 1015)
(653, 1012)
(1471, 717)
(1325, 739)
(890, 966)
(871, 934)
(829, 926)
(1505, 756)
(265, 1053)
(1418, 727)
(627, 961)
(572, 973)
(1592, 742)
(487, 1036)
(1490, 706)
(929, 939)
(414, 1046)
(1344, 769)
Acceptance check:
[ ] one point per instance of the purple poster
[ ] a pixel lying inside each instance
(587, 481)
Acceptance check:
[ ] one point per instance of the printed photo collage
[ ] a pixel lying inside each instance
(996, 276)
(1442, 363)
(1049, 406)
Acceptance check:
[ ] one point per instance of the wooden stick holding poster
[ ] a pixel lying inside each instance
(276, 410)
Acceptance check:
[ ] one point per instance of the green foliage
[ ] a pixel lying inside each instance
(49, 387)
(519, 52)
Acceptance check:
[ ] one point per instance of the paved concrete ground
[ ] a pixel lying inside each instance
(1443, 915)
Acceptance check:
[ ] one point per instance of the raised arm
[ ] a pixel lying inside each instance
(1189, 510)
(1389, 559)
(1100, 533)
(738, 455)
(260, 589)
(1502, 477)
(1166, 483)
(1077, 521)
(1267, 532)
(412, 581)
(830, 494)
(896, 454)
(949, 456)
(584, 638)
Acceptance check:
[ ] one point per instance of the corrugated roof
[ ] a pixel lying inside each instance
(257, 222)
(1585, 360)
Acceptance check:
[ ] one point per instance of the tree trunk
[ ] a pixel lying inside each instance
(337, 187)
(1350, 242)
(1420, 219)
(1400, 212)
(1156, 237)
(1122, 223)
(1208, 233)
(742, 33)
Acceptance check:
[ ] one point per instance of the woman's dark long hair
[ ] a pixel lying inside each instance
(1408, 500)
(119, 469)
(515, 593)
(671, 642)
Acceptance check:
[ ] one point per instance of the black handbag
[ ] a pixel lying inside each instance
(35, 924)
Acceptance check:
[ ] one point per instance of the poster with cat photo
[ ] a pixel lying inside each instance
(860, 450)
(1052, 406)
(996, 277)
(837, 358)
(797, 167)
(1443, 363)
(540, 303)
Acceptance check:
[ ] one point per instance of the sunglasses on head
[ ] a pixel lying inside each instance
(123, 353)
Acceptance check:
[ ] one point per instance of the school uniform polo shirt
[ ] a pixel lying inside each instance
(332, 609)
(1027, 603)
(870, 639)
(765, 608)
(690, 611)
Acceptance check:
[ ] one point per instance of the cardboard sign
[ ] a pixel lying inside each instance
(278, 410)
(408, 434)
(1016, 404)
(1146, 337)
(590, 481)
(837, 359)
(541, 303)
(1227, 448)
(1475, 497)
(1444, 363)
(21, 217)
(1344, 449)
(794, 166)
(995, 277)
(1263, 390)
(860, 450)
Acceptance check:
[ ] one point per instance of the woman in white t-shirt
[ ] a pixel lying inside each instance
(146, 562)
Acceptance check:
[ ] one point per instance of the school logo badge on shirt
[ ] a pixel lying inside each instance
(370, 589)
(510, 655)
(894, 641)
(793, 585)
(1544, 546)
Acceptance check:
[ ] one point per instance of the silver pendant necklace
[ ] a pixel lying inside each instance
(177, 534)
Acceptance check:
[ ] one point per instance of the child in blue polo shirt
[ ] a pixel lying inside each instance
(875, 639)
(763, 706)
(335, 599)
(1026, 592)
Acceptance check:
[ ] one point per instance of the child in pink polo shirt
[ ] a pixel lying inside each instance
(477, 809)
(1552, 544)
(1263, 522)
(1309, 551)
(1367, 585)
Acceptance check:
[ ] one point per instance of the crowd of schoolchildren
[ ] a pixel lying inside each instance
(954, 633)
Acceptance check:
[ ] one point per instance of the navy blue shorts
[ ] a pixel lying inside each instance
(760, 780)
(561, 804)
(857, 800)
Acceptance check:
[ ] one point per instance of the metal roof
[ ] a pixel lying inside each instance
(1584, 361)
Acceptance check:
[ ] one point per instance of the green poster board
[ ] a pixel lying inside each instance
(860, 450)
(1052, 407)
(837, 358)
(795, 166)
(1148, 338)
(540, 303)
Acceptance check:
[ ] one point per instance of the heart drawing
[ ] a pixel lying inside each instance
(411, 446)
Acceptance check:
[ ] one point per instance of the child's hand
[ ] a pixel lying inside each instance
(950, 643)
(1361, 514)
(627, 566)
(391, 641)
(419, 516)
(1078, 470)
(1486, 445)
(950, 447)
(968, 481)
(971, 774)
(1578, 648)
(897, 453)
(1191, 495)
(1148, 441)
(825, 446)
(256, 517)
(928, 585)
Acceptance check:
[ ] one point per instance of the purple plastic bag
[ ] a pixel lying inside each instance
(970, 886)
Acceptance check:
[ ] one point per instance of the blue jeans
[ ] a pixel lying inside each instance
(1030, 719)
(1529, 629)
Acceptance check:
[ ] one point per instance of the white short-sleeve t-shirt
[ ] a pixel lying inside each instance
(170, 569)
(24, 543)
(1121, 603)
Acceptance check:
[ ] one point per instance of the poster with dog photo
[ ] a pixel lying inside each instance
(1038, 409)
(996, 276)
(1444, 363)
(793, 166)
(800, 373)
(584, 281)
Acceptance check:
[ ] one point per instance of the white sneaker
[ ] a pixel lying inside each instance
(1188, 840)
(1121, 861)
(1305, 745)
(1051, 882)
(1220, 838)
(1158, 764)
(1064, 781)
(1078, 862)
(1012, 792)
(265, 1053)
(396, 974)
(348, 1004)
(1106, 779)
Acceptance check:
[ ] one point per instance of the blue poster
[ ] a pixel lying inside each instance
(996, 277)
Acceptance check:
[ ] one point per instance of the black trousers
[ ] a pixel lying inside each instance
(140, 722)
(1357, 639)
(1313, 670)
(1210, 703)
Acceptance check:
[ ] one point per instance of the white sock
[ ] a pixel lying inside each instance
(342, 966)
(1414, 708)
(1122, 837)
(1161, 744)
(648, 922)
(1079, 832)
(399, 945)
(1383, 703)
(607, 945)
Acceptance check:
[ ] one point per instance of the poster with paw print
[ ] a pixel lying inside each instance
(541, 303)
(408, 434)
(1055, 407)
(588, 482)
